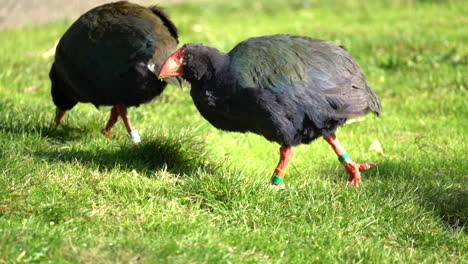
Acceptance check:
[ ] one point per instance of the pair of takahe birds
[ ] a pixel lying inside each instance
(290, 89)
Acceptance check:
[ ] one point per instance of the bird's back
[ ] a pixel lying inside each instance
(109, 55)
(317, 75)
(294, 89)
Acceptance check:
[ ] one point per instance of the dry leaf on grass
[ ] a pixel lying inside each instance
(32, 89)
(355, 120)
(376, 146)
(50, 52)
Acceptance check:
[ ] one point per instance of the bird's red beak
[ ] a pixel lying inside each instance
(172, 67)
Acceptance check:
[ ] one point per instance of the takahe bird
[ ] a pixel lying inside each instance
(110, 56)
(290, 89)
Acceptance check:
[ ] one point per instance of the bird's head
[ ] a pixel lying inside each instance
(193, 62)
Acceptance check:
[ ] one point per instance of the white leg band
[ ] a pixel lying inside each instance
(347, 161)
(134, 136)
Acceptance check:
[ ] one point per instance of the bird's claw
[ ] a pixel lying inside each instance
(353, 169)
(277, 186)
(108, 134)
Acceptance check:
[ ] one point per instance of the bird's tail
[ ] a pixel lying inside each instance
(60, 99)
(158, 11)
(375, 106)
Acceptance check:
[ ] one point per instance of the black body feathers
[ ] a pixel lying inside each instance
(287, 88)
(110, 55)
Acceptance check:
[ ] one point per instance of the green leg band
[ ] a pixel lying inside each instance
(345, 159)
(276, 179)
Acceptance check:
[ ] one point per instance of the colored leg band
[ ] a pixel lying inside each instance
(345, 159)
(276, 179)
(280, 172)
(134, 136)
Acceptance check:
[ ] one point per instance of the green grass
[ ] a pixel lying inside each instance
(193, 194)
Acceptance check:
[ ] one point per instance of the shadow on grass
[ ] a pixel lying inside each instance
(180, 153)
(181, 156)
(450, 203)
(62, 133)
(25, 119)
(447, 197)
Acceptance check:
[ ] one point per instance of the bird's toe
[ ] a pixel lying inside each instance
(366, 165)
(108, 134)
(277, 186)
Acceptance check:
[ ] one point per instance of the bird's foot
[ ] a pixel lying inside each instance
(277, 186)
(108, 134)
(353, 169)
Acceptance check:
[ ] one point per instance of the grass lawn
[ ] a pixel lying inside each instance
(192, 194)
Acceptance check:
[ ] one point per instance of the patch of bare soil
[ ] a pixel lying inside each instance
(20, 12)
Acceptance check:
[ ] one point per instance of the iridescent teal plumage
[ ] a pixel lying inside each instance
(289, 89)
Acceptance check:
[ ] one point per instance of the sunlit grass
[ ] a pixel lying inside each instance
(193, 194)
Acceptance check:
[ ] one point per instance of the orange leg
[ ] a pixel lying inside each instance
(286, 153)
(133, 133)
(59, 114)
(352, 168)
(122, 111)
(114, 116)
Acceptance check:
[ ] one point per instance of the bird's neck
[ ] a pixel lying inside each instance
(220, 63)
(217, 74)
(213, 91)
